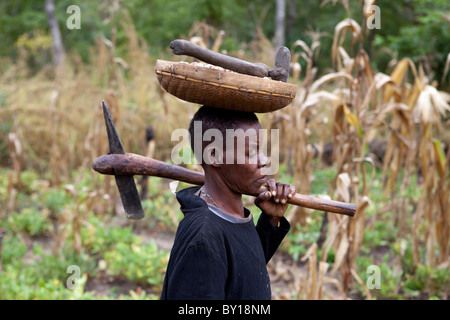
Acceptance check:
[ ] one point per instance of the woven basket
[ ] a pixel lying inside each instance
(216, 87)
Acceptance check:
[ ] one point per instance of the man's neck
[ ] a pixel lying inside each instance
(224, 198)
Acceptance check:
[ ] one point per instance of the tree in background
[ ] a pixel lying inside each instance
(57, 46)
(418, 29)
(280, 25)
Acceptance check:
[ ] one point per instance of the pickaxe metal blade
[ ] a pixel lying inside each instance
(126, 184)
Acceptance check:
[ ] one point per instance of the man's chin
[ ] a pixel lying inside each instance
(257, 185)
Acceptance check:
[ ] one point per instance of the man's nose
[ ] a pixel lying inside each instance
(263, 160)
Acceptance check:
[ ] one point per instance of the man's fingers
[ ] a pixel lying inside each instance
(279, 194)
(263, 196)
(279, 191)
(285, 194)
(291, 192)
(272, 186)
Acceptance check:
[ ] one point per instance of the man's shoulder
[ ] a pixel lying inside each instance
(202, 229)
(201, 220)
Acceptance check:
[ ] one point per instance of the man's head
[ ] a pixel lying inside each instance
(212, 125)
(227, 144)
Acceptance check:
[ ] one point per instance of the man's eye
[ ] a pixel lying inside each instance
(252, 152)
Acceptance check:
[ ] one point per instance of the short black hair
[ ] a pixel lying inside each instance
(220, 119)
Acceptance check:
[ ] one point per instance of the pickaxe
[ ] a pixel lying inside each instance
(280, 72)
(125, 165)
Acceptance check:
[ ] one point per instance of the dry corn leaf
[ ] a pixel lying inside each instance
(431, 242)
(317, 97)
(304, 46)
(363, 203)
(337, 284)
(323, 267)
(366, 9)
(447, 65)
(366, 186)
(389, 157)
(361, 283)
(380, 80)
(440, 157)
(198, 41)
(336, 225)
(353, 120)
(330, 77)
(400, 70)
(15, 144)
(365, 67)
(387, 109)
(339, 35)
(343, 2)
(341, 252)
(346, 60)
(296, 70)
(424, 151)
(218, 41)
(415, 93)
(397, 76)
(311, 256)
(343, 185)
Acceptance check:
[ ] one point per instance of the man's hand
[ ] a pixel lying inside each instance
(273, 200)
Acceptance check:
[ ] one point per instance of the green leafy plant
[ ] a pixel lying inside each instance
(141, 263)
(30, 221)
(98, 238)
(434, 281)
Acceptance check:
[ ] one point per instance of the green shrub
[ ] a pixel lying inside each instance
(28, 284)
(98, 238)
(435, 282)
(14, 249)
(55, 200)
(30, 221)
(37, 275)
(140, 263)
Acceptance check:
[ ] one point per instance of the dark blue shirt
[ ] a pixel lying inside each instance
(214, 258)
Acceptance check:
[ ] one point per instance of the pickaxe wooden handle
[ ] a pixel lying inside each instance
(130, 164)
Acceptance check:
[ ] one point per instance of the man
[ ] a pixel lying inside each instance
(218, 252)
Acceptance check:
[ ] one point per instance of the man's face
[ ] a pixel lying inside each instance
(243, 161)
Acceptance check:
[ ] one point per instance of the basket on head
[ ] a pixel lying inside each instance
(217, 87)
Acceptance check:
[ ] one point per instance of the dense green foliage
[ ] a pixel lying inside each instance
(418, 29)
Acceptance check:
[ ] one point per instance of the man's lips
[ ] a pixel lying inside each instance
(262, 180)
